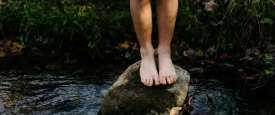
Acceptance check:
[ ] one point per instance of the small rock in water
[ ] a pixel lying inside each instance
(196, 70)
(128, 96)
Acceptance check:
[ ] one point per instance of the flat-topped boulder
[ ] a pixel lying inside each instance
(128, 96)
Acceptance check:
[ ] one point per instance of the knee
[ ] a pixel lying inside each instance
(143, 2)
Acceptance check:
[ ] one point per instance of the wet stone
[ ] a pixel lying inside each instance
(128, 96)
(198, 70)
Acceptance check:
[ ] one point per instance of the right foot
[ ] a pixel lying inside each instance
(148, 70)
(167, 73)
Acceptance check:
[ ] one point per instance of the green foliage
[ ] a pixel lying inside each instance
(39, 23)
(55, 24)
(269, 65)
(231, 25)
(227, 25)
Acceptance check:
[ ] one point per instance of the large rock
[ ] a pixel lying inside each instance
(128, 96)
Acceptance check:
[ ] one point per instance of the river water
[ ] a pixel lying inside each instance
(69, 93)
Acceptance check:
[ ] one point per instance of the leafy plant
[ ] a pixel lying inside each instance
(227, 25)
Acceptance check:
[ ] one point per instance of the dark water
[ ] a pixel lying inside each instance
(212, 97)
(49, 93)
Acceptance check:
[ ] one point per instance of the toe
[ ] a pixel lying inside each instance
(156, 80)
(175, 78)
(169, 79)
(148, 82)
(143, 81)
(172, 78)
(151, 82)
(162, 80)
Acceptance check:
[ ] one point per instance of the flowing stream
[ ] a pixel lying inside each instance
(50, 93)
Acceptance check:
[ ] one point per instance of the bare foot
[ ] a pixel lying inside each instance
(148, 70)
(167, 73)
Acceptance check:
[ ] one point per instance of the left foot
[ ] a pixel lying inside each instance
(167, 73)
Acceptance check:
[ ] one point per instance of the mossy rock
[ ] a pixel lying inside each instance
(128, 96)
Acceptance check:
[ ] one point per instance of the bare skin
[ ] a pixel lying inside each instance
(167, 12)
(142, 18)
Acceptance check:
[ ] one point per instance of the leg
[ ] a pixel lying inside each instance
(167, 13)
(142, 19)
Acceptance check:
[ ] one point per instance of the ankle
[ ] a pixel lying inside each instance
(148, 51)
(164, 51)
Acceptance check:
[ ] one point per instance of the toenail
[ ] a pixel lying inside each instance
(170, 80)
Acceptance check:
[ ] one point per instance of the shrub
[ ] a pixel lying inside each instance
(227, 25)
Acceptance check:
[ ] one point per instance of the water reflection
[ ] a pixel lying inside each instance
(212, 97)
(48, 93)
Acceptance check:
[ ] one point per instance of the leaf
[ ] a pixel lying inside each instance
(269, 72)
(267, 21)
(199, 53)
(2, 54)
(175, 110)
(210, 61)
(14, 47)
(124, 45)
